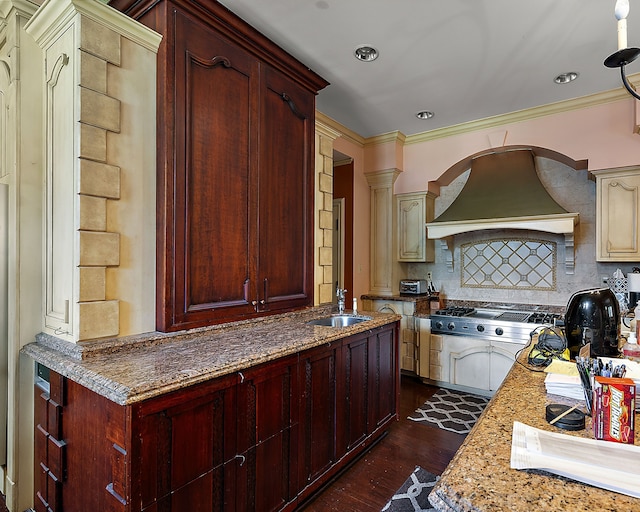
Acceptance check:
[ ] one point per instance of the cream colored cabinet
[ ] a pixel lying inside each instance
(617, 214)
(469, 361)
(408, 335)
(413, 210)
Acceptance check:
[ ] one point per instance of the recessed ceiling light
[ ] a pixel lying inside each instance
(366, 53)
(424, 114)
(565, 78)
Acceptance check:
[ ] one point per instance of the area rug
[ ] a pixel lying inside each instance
(455, 411)
(412, 496)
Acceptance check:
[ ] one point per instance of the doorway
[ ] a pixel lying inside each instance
(343, 224)
(338, 245)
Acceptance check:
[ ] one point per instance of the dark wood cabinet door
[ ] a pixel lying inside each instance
(286, 193)
(268, 406)
(185, 447)
(318, 411)
(213, 255)
(368, 386)
(353, 395)
(383, 378)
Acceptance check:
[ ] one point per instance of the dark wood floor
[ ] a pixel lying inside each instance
(372, 480)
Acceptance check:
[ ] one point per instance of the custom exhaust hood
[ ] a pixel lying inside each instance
(503, 191)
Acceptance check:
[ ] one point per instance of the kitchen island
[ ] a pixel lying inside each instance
(131, 369)
(253, 415)
(479, 477)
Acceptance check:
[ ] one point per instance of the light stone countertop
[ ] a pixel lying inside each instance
(479, 477)
(131, 369)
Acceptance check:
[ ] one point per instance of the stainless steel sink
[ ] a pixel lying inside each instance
(339, 320)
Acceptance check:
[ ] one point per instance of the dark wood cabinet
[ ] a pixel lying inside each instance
(236, 124)
(318, 434)
(350, 392)
(368, 386)
(184, 448)
(263, 439)
(267, 414)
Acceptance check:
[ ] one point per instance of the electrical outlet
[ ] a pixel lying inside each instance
(429, 276)
(605, 279)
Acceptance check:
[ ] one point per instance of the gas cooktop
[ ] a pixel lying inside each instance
(507, 325)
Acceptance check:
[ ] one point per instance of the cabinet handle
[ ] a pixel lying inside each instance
(242, 459)
(211, 63)
(265, 292)
(241, 377)
(285, 97)
(245, 289)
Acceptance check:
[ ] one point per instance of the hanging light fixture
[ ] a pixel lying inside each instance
(624, 55)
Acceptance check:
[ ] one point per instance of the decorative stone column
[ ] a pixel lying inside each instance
(384, 272)
(323, 263)
(85, 46)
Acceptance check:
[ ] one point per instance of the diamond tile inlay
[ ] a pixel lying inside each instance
(522, 264)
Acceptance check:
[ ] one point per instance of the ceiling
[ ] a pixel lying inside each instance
(462, 59)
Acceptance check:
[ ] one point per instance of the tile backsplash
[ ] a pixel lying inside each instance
(511, 264)
(475, 279)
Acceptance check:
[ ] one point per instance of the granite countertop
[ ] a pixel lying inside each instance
(131, 369)
(479, 477)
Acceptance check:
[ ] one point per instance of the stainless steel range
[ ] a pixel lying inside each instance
(496, 324)
(475, 348)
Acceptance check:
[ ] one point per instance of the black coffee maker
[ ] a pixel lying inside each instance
(593, 318)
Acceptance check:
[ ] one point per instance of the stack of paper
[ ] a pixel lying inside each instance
(564, 385)
(599, 463)
(563, 379)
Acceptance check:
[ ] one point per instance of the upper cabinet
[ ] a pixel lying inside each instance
(236, 120)
(413, 210)
(617, 214)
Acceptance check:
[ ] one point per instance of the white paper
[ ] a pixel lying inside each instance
(603, 464)
(564, 385)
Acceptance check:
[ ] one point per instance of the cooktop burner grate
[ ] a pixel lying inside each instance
(512, 316)
(456, 311)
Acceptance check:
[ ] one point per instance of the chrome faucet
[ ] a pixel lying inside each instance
(340, 294)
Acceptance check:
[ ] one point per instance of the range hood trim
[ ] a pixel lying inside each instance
(558, 223)
(562, 224)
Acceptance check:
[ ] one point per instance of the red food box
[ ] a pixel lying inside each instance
(614, 409)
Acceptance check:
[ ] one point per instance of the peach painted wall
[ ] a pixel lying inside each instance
(601, 134)
(385, 155)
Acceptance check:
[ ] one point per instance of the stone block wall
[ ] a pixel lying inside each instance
(324, 214)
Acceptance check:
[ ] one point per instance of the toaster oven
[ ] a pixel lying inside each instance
(413, 287)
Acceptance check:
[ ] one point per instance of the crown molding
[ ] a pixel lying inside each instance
(396, 136)
(344, 132)
(489, 122)
(524, 115)
(52, 14)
